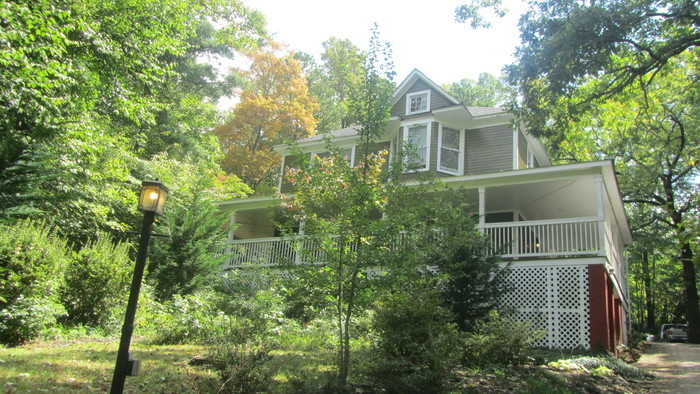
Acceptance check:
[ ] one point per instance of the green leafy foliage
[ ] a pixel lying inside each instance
(97, 283)
(187, 260)
(443, 245)
(473, 12)
(97, 86)
(192, 318)
(243, 367)
(499, 340)
(334, 81)
(32, 265)
(604, 366)
(567, 43)
(474, 281)
(487, 91)
(26, 318)
(416, 343)
(339, 204)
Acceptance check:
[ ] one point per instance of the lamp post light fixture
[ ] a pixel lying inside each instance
(151, 202)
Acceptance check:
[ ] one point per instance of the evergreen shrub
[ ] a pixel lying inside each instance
(33, 259)
(192, 318)
(97, 283)
(416, 344)
(499, 340)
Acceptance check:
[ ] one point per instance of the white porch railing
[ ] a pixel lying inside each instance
(545, 238)
(528, 239)
(260, 252)
(266, 252)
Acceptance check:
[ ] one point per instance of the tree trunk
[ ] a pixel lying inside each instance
(691, 293)
(648, 296)
(345, 340)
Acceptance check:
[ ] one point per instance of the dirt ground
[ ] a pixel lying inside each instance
(677, 364)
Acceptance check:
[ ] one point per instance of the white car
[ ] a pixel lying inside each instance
(674, 332)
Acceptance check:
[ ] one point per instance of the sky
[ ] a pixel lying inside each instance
(422, 35)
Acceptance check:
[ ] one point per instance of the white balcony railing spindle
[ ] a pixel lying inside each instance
(527, 239)
(546, 238)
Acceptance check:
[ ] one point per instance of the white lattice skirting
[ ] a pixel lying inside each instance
(555, 299)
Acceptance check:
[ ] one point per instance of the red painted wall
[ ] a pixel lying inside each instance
(600, 308)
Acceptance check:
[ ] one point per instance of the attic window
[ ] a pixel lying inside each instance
(417, 102)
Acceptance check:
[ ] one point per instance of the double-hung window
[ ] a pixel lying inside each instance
(416, 138)
(418, 102)
(451, 150)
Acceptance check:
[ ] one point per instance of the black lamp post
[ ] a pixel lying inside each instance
(151, 202)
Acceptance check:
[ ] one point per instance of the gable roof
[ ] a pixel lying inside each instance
(411, 79)
(457, 107)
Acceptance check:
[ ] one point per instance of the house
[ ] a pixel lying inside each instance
(563, 227)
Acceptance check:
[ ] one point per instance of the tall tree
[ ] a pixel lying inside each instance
(274, 108)
(564, 43)
(334, 82)
(340, 204)
(487, 91)
(87, 88)
(650, 130)
(577, 58)
(344, 64)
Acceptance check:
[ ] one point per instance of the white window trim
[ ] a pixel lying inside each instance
(404, 133)
(408, 102)
(460, 163)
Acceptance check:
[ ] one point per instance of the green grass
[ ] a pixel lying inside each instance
(88, 365)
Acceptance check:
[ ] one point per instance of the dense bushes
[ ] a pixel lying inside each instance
(408, 342)
(97, 283)
(499, 340)
(416, 344)
(184, 319)
(32, 265)
(43, 282)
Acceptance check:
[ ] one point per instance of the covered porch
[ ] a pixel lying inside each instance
(565, 211)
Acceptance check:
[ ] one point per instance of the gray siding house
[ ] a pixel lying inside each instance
(562, 228)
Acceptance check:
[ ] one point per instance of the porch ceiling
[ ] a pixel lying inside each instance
(545, 200)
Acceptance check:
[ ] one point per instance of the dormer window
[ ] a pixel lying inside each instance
(417, 102)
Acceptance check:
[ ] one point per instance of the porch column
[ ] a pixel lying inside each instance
(297, 253)
(516, 153)
(601, 214)
(231, 226)
(281, 175)
(482, 208)
(231, 231)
